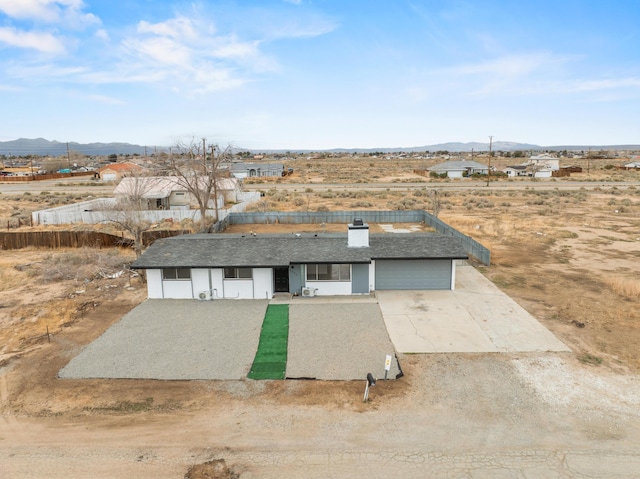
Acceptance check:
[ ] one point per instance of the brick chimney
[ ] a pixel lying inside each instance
(358, 235)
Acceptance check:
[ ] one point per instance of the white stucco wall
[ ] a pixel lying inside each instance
(372, 275)
(330, 288)
(238, 289)
(154, 283)
(216, 282)
(453, 275)
(177, 289)
(200, 281)
(263, 283)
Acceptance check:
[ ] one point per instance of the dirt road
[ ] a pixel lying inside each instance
(454, 416)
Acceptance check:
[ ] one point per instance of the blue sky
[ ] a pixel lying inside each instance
(319, 74)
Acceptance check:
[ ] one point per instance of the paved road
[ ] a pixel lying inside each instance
(75, 185)
(462, 185)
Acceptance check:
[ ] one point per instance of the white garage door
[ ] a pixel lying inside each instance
(413, 274)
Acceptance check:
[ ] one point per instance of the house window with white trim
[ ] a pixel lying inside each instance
(328, 272)
(238, 273)
(176, 273)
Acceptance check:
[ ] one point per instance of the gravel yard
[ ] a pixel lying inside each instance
(175, 339)
(186, 339)
(338, 341)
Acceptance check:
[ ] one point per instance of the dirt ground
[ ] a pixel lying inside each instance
(570, 257)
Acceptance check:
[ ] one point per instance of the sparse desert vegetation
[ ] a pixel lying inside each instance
(567, 254)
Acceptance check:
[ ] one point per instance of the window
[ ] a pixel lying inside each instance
(176, 273)
(328, 272)
(238, 273)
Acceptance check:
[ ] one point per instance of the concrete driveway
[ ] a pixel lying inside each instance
(476, 317)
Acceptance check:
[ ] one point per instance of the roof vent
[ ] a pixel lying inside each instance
(358, 222)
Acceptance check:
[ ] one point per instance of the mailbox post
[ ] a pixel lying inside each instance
(370, 382)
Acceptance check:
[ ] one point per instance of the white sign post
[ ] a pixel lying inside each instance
(387, 366)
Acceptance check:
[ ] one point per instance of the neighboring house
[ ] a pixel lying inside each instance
(543, 173)
(21, 171)
(545, 162)
(516, 170)
(528, 169)
(460, 168)
(632, 166)
(255, 170)
(250, 266)
(117, 171)
(166, 192)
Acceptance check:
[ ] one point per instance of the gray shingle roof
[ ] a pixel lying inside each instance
(222, 250)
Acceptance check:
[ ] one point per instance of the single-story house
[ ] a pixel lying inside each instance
(255, 170)
(516, 170)
(167, 193)
(460, 168)
(632, 166)
(117, 171)
(256, 266)
(21, 171)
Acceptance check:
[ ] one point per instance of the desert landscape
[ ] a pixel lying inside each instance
(566, 250)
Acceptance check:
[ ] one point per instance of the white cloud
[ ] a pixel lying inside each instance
(232, 48)
(10, 88)
(509, 66)
(106, 99)
(178, 28)
(190, 56)
(160, 51)
(102, 34)
(69, 12)
(607, 84)
(43, 42)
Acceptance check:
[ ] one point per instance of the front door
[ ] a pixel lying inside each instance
(281, 280)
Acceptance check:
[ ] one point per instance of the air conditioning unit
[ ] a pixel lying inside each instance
(308, 292)
(204, 295)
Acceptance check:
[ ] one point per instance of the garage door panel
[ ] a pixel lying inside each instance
(413, 274)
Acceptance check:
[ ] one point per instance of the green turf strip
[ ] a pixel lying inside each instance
(271, 358)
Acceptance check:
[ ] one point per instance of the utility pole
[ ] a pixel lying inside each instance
(490, 153)
(68, 158)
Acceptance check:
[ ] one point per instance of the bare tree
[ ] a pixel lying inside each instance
(197, 170)
(129, 212)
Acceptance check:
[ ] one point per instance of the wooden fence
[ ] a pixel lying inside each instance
(76, 239)
(46, 176)
(60, 239)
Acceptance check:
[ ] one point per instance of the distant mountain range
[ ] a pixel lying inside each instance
(42, 147)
